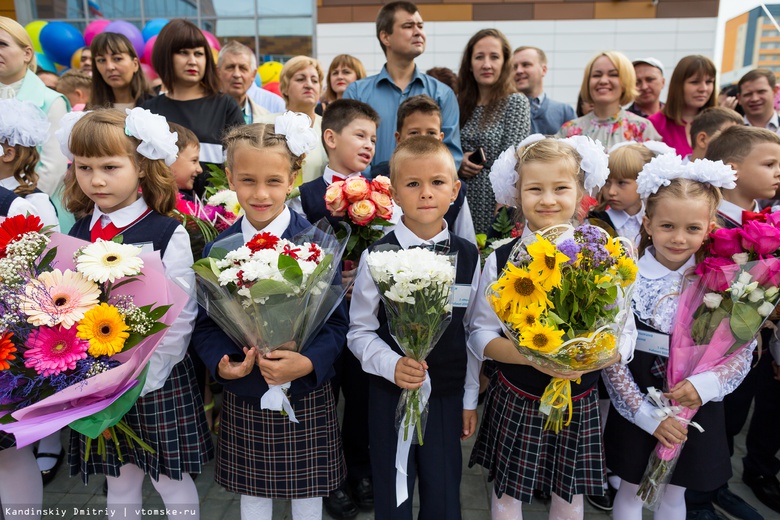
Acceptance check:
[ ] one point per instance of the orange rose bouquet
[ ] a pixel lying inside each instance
(366, 206)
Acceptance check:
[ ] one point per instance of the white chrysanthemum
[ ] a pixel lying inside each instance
(226, 198)
(503, 178)
(107, 261)
(659, 172)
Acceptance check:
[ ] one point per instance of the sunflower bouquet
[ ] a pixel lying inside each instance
(78, 327)
(562, 300)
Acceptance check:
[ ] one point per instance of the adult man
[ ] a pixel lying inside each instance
(236, 67)
(530, 66)
(649, 84)
(756, 92)
(399, 29)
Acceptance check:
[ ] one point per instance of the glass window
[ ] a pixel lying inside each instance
(229, 8)
(284, 26)
(269, 8)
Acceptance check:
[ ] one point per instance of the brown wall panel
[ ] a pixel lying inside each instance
(681, 9)
(503, 12)
(564, 11)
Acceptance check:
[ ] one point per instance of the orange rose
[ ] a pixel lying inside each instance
(384, 205)
(357, 188)
(362, 212)
(381, 184)
(335, 200)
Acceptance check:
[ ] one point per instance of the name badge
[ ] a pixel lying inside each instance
(653, 343)
(460, 295)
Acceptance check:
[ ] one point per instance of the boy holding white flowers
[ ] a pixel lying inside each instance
(423, 184)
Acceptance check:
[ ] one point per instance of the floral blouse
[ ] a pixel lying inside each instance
(624, 126)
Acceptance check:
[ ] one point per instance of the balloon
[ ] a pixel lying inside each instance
(273, 87)
(45, 63)
(258, 80)
(93, 29)
(153, 28)
(131, 31)
(215, 54)
(269, 71)
(148, 47)
(149, 72)
(75, 60)
(60, 40)
(212, 40)
(34, 30)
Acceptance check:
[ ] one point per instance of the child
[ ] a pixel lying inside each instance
(77, 87)
(519, 455)
(261, 454)
(186, 167)
(678, 220)
(113, 156)
(709, 123)
(424, 184)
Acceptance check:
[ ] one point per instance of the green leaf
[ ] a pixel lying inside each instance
(206, 269)
(290, 269)
(159, 312)
(218, 253)
(745, 321)
(265, 288)
(46, 260)
(554, 318)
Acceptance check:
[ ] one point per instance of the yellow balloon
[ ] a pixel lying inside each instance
(215, 54)
(269, 71)
(34, 30)
(75, 60)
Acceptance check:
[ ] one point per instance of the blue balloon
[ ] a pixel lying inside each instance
(45, 63)
(258, 80)
(153, 28)
(59, 41)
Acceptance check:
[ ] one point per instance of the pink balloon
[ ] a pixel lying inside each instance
(93, 29)
(149, 72)
(212, 40)
(148, 47)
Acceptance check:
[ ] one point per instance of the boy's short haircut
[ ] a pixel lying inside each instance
(385, 19)
(420, 146)
(756, 74)
(712, 119)
(733, 144)
(342, 112)
(74, 79)
(185, 136)
(419, 103)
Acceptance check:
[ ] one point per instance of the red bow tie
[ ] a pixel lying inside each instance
(747, 216)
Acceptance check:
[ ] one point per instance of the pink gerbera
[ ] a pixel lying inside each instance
(54, 349)
(56, 298)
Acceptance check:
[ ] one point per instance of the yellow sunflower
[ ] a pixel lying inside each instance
(626, 271)
(614, 248)
(517, 289)
(526, 317)
(105, 329)
(542, 338)
(546, 261)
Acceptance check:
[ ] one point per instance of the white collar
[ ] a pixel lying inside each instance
(276, 227)
(620, 217)
(773, 123)
(328, 174)
(10, 183)
(734, 212)
(406, 237)
(652, 269)
(121, 217)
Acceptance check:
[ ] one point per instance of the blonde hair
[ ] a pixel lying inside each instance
(626, 76)
(21, 38)
(23, 167)
(417, 147)
(625, 163)
(72, 80)
(684, 189)
(260, 136)
(292, 67)
(101, 133)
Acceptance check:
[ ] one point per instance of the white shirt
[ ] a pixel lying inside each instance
(734, 212)
(376, 356)
(773, 124)
(20, 206)
(43, 206)
(267, 100)
(276, 227)
(177, 262)
(626, 225)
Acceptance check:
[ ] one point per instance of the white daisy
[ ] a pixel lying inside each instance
(107, 261)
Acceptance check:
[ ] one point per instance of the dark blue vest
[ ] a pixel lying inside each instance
(7, 197)
(313, 202)
(155, 228)
(447, 361)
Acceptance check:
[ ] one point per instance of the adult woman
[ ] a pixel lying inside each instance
(343, 70)
(493, 117)
(182, 58)
(300, 83)
(691, 90)
(609, 83)
(119, 81)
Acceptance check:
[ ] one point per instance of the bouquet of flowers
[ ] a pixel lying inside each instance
(562, 300)
(202, 221)
(367, 206)
(272, 292)
(721, 309)
(79, 325)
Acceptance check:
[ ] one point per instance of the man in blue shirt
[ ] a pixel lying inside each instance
(399, 29)
(547, 115)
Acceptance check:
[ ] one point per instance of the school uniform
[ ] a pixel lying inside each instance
(43, 204)
(169, 414)
(623, 224)
(12, 205)
(453, 375)
(261, 452)
(512, 444)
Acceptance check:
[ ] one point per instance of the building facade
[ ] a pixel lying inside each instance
(751, 40)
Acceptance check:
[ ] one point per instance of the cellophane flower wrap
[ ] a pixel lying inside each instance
(272, 292)
(79, 324)
(721, 309)
(367, 206)
(204, 221)
(563, 301)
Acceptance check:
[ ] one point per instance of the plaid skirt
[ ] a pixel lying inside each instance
(521, 456)
(262, 453)
(171, 420)
(7, 440)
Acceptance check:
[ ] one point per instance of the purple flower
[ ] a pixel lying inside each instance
(569, 248)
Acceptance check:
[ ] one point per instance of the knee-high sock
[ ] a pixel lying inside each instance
(125, 496)
(256, 508)
(307, 508)
(563, 510)
(20, 481)
(672, 504)
(505, 508)
(627, 506)
(50, 444)
(180, 495)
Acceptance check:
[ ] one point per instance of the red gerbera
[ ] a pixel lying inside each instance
(14, 227)
(262, 241)
(7, 349)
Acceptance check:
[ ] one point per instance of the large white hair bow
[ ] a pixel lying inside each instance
(296, 128)
(67, 122)
(21, 122)
(157, 140)
(663, 169)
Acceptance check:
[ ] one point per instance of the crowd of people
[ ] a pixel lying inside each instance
(438, 141)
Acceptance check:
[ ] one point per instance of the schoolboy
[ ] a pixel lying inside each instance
(707, 124)
(423, 183)
(755, 155)
(420, 115)
(186, 168)
(77, 87)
